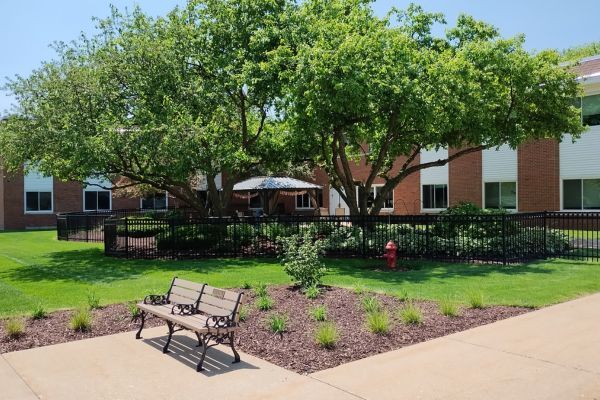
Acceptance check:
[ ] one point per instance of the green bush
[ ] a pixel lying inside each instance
(448, 307)
(276, 230)
(312, 292)
(264, 303)
(39, 311)
(241, 234)
(14, 327)
(140, 226)
(93, 300)
(319, 313)
(191, 237)
(326, 335)
(475, 299)
(81, 320)
(378, 322)
(411, 314)
(370, 304)
(301, 259)
(277, 323)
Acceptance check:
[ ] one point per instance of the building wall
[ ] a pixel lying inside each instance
(538, 172)
(465, 178)
(1, 199)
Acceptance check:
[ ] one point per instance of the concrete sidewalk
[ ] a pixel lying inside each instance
(553, 353)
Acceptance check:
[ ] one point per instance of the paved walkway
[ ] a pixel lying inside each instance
(553, 353)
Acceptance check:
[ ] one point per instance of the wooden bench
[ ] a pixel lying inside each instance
(211, 313)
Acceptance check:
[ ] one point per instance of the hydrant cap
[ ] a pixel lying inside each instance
(391, 245)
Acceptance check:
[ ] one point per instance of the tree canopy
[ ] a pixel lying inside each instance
(242, 86)
(576, 53)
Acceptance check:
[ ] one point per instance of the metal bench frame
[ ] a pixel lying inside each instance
(219, 325)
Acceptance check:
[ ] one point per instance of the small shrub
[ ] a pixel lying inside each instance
(246, 285)
(81, 320)
(475, 299)
(260, 289)
(319, 313)
(448, 308)
(312, 292)
(327, 335)
(93, 301)
(133, 310)
(370, 304)
(359, 288)
(243, 313)
(301, 259)
(264, 303)
(277, 323)
(14, 328)
(378, 322)
(39, 311)
(411, 314)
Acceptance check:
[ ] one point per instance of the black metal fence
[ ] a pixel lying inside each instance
(502, 238)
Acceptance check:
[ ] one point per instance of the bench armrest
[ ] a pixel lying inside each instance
(183, 309)
(220, 321)
(155, 299)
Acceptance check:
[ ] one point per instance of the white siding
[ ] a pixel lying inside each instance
(500, 165)
(434, 175)
(36, 182)
(582, 158)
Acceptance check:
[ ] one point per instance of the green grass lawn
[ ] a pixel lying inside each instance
(35, 267)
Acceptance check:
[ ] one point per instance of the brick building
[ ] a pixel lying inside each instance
(539, 175)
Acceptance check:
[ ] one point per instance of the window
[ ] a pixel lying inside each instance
(38, 201)
(581, 194)
(38, 192)
(435, 196)
(590, 109)
(500, 195)
(305, 200)
(94, 200)
(155, 201)
(255, 201)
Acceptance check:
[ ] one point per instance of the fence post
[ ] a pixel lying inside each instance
(545, 248)
(427, 241)
(125, 220)
(364, 235)
(504, 239)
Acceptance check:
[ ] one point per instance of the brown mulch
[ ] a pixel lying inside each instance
(295, 349)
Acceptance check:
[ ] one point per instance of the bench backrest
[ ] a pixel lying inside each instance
(185, 292)
(215, 301)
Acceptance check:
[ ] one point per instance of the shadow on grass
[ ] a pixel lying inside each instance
(92, 266)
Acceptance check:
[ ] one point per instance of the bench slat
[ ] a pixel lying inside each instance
(217, 302)
(221, 293)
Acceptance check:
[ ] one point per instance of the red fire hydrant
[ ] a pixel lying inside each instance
(390, 254)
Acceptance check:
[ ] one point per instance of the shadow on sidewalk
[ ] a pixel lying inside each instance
(183, 349)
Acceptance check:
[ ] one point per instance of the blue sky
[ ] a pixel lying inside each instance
(27, 27)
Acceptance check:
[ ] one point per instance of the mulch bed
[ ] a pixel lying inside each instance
(295, 349)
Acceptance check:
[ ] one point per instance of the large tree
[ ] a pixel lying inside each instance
(385, 89)
(158, 102)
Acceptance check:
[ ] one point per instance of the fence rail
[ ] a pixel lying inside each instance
(502, 238)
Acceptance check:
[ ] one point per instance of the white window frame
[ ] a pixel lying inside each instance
(510, 210)
(435, 210)
(25, 191)
(154, 208)
(374, 188)
(310, 202)
(562, 200)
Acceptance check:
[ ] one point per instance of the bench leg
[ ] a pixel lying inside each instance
(236, 355)
(138, 335)
(171, 330)
(204, 343)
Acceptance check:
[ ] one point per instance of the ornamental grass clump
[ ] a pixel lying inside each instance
(264, 303)
(301, 259)
(370, 304)
(14, 327)
(39, 312)
(378, 322)
(246, 285)
(327, 335)
(475, 299)
(278, 323)
(243, 313)
(81, 320)
(134, 310)
(359, 288)
(448, 308)
(319, 313)
(93, 301)
(411, 314)
(312, 292)
(260, 289)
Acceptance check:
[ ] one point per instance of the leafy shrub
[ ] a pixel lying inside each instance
(276, 230)
(475, 299)
(319, 313)
(243, 313)
(278, 323)
(370, 304)
(301, 259)
(411, 314)
(39, 311)
(190, 237)
(81, 320)
(241, 234)
(312, 292)
(448, 307)
(260, 289)
(264, 303)
(140, 226)
(326, 335)
(378, 322)
(93, 300)
(14, 327)
(343, 238)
